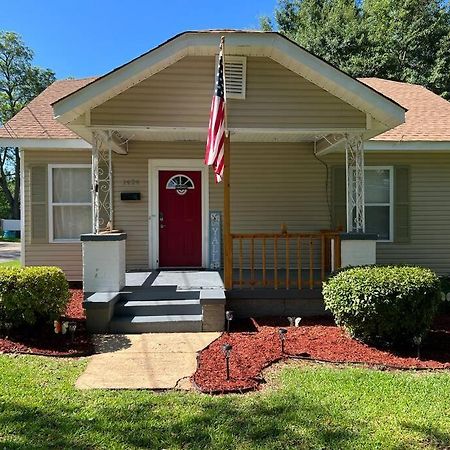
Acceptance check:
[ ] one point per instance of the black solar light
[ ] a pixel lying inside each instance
(227, 352)
(7, 326)
(282, 333)
(229, 315)
(72, 328)
(417, 342)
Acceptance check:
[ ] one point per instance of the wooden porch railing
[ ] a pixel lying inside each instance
(283, 260)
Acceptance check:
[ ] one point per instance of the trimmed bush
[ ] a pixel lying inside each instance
(384, 304)
(32, 295)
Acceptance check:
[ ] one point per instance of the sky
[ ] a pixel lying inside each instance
(81, 38)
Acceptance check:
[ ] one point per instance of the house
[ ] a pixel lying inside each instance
(313, 152)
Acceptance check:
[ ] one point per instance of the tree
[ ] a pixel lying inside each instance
(20, 82)
(403, 40)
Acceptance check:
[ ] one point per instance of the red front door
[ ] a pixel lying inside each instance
(180, 218)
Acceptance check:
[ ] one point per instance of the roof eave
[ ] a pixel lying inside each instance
(272, 45)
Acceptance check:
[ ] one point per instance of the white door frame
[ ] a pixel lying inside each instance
(154, 167)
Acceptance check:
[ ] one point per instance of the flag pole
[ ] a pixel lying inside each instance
(227, 240)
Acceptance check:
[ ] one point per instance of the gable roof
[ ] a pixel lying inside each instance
(36, 121)
(427, 116)
(246, 43)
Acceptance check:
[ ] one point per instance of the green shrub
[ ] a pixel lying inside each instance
(384, 304)
(31, 295)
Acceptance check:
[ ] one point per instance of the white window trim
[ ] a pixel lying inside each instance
(243, 60)
(391, 200)
(50, 203)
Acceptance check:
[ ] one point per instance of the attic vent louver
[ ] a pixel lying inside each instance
(235, 76)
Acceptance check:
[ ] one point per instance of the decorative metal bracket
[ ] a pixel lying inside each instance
(102, 181)
(354, 156)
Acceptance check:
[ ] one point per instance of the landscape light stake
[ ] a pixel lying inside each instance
(418, 342)
(227, 352)
(8, 327)
(282, 333)
(229, 315)
(72, 328)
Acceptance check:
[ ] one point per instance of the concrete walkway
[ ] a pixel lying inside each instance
(9, 251)
(144, 361)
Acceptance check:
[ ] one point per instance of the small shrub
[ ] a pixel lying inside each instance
(31, 295)
(384, 304)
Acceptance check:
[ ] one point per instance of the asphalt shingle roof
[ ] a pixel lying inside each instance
(427, 118)
(428, 115)
(36, 121)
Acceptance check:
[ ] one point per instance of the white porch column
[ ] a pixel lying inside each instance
(354, 158)
(357, 247)
(102, 181)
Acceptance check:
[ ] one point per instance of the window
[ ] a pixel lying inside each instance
(181, 183)
(378, 194)
(70, 202)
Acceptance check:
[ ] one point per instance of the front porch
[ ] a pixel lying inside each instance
(251, 273)
(189, 301)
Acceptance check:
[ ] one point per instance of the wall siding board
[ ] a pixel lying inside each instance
(429, 209)
(66, 256)
(180, 95)
(271, 184)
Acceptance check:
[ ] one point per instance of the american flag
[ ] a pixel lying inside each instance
(215, 143)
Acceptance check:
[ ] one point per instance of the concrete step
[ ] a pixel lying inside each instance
(157, 308)
(156, 324)
(144, 294)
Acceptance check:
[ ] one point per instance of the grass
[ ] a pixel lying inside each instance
(13, 263)
(305, 407)
(3, 239)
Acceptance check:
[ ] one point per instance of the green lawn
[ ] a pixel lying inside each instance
(3, 239)
(305, 407)
(14, 263)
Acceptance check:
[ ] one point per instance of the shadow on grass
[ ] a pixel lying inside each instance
(185, 421)
(430, 435)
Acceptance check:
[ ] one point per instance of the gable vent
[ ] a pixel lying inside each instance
(235, 76)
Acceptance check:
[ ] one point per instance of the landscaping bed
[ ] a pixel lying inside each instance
(316, 339)
(44, 341)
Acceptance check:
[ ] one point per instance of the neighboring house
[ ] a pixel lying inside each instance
(138, 133)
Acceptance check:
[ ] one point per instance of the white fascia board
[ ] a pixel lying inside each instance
(271, 45)
(407, 146)
(92, 95)
(76, 144)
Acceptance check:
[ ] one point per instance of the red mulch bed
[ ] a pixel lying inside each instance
(44, 341)
(316, 339)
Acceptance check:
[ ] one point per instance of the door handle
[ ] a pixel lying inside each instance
(161, 217)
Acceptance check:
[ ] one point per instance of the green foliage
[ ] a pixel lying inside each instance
(20, 82)
(384, 304)
(403, 40)
(32, 295)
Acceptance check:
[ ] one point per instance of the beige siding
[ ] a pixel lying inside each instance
(66, 256)
(272, 184)
(180, 95)
(429, 209)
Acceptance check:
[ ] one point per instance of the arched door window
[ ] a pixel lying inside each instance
(181, 183)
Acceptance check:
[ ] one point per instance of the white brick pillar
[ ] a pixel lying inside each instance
(103, 262)
(358, 249)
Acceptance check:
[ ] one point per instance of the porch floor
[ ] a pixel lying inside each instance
(184, 280)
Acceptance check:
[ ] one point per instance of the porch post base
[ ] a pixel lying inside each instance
(358, 249)
(213, 309)
(103, 262)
